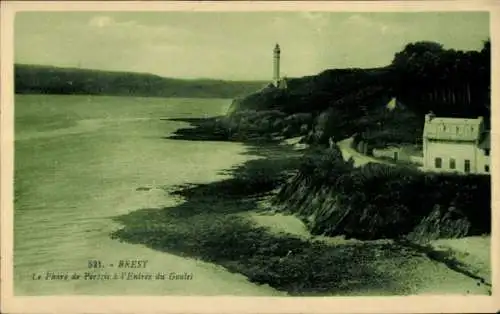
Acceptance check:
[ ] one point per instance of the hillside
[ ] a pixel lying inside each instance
(36, 79)
(341, 202)
(423, 77)
(316, 93)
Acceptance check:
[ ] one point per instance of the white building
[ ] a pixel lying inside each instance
(278, 82)
(456, 145)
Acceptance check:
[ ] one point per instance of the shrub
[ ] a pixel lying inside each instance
(248, 124)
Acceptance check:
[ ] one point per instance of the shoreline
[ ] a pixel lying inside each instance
(274, 227)
(455, 254)
(198, 225)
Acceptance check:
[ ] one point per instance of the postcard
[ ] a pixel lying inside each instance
(256, 157)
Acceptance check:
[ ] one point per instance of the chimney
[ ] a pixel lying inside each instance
(429, 116)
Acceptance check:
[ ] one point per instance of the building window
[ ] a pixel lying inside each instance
(486, 168)
(467, 166)
(437, 162)
(452, 163)
(487, 152)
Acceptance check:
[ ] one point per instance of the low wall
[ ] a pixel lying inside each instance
(396, 154)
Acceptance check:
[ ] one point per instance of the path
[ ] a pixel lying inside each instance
(348, 152)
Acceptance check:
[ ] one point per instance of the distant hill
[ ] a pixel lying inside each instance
(36, 79)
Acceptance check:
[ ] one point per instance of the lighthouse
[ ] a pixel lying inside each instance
(276, 59)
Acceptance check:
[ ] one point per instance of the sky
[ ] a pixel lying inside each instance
(235, 45)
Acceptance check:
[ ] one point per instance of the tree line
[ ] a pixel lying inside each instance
(424, 76)
(449, 82)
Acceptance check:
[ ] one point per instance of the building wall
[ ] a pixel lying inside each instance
(483, 161)
(419, 160)
(448, 150)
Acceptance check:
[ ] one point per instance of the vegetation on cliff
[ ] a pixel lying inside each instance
(423, 77)
(374, 201)
(379, 201)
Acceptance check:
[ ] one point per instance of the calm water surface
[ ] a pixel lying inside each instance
(78, 163)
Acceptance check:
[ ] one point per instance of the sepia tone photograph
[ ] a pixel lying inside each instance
(272, 153)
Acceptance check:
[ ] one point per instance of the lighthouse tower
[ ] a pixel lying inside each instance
(276, 67)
